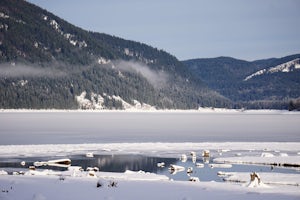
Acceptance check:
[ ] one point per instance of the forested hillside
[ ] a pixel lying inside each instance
(45, 62)
(270, 83)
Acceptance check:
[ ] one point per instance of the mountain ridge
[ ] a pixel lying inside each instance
(247, 82)
(47, 62)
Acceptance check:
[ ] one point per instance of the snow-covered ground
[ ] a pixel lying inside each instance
(73, 188)
(151, 148)
(74, 184)
(254, 130)
(133, 109)
(208, 125)
(269, 179)
(274, 160)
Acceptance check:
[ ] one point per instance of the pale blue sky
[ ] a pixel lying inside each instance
(245, 29)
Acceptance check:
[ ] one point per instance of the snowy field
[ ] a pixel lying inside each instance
(76, 184)
(205, 125)
(274, 142)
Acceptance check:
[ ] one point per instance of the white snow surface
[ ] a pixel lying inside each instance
(102, 60)
(97, 102)
(155, 149)
(276, 160)
(68, 36)
(285, 67)
(40, 187)
(142, 185)
(153, 109)
(75, 184)
(3, 15)
(270, 179)
(260, 72)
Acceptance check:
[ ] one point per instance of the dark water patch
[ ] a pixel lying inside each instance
(121, 163)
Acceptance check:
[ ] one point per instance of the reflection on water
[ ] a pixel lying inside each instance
(199, 167)
(121, 163)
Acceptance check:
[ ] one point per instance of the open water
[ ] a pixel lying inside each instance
(121, 163)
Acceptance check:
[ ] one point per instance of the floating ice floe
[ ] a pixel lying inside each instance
(58, 163)
(225, 174)
(194, 156)
(176, 168)
(161, 164)
(199, 165)
(183, 158)
(189, 170)
(224, 150)
(220, 165)
(89, 154)
(194, 159)
(193, 153)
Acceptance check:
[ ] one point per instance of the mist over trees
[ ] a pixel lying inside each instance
(46, 62)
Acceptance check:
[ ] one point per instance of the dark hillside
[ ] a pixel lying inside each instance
(46, 62)
(269, 83)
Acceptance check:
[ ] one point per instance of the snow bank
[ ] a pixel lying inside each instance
(220, 165)
(78, 184)
(74, 188)
(156, 149)
(267, 178)
(288, 161)
(2, 172)
(148, 108)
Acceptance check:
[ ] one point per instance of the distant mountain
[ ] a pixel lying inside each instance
(270, 83)
(286, 67)
(46, 62)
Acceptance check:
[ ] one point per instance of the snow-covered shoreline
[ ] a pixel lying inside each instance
(73, 188)
(45, 184)
(142, 185)
(268, 178)
(200, 110)
(288, 161)
(149, 148)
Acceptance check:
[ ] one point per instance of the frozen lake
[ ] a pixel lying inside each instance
(108, 127)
